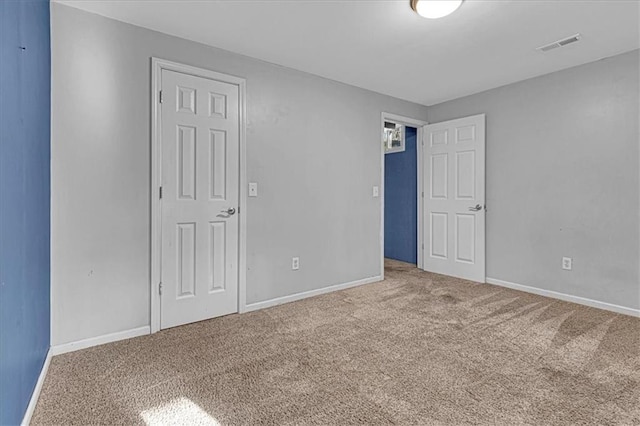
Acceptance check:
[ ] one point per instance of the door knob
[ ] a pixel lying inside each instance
(477, 208)
(230, 211)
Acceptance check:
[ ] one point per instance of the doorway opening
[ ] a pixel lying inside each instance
(401, 159)
(400, 201)
(433, 199)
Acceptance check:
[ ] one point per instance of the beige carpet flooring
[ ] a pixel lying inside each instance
(415, 349)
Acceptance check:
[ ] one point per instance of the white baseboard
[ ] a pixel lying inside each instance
(566, 297)
(100, 340)
(311, 293)
(36, 390)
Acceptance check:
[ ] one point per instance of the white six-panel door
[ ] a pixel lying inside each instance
(200, 172)
(454, 198)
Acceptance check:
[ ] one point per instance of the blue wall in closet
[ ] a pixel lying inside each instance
(24, 201)
(400, 202)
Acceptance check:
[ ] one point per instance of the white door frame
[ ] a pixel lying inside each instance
(418, 124)
(157, 65)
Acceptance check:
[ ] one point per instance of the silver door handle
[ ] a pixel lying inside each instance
(230, 211)
(477, 208)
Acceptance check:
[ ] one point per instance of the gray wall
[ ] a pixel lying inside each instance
(313, 145)
(562, 175)
(562, 179)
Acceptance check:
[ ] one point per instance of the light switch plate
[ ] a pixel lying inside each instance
(253, 189)
(376, 191)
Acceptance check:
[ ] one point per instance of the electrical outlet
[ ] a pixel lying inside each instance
(295, 263)
(567, 263)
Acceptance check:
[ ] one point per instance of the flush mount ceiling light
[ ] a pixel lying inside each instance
(434, 9)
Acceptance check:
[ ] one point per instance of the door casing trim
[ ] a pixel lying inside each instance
(157, 65)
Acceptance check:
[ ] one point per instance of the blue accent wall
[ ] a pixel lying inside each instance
(24, 201)
(400, 202)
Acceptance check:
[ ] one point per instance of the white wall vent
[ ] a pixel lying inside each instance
(559, 43)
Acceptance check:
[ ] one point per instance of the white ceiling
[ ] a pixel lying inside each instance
(385, 47)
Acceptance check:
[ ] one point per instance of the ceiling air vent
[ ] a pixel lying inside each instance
(559, 43)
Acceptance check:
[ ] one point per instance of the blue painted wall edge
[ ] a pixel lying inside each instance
(25, 88)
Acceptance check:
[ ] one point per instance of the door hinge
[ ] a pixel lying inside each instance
(422, 194)
(160, 288)
(160, 193)
(422, 246)
(160, 97)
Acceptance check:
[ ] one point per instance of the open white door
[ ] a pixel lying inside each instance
(454, 198)
(200, 194)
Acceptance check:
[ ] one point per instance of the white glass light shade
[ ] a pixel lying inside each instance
(434, 9)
